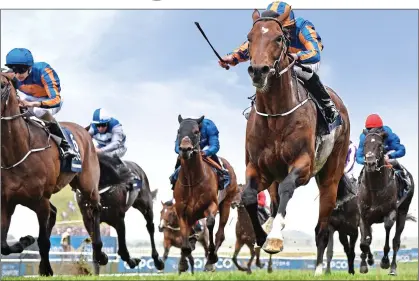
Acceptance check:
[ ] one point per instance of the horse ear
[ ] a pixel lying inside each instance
(255, 15)
(179, 118)
(162, 203)
(200, 119)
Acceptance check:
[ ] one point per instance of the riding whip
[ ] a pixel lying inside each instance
(215, 52)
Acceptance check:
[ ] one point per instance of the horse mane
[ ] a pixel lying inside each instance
(112, 170)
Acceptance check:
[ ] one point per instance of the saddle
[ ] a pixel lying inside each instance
(223, 176)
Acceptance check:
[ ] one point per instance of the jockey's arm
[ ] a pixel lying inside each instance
(360, 151)
(394, 144)
(308, 37)
(177, 146)
(351, 158)
(213, 141)
(51, 85)
(241, 54)
(116, 141)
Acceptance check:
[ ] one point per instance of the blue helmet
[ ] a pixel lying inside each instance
(20, 56)
(101, 116)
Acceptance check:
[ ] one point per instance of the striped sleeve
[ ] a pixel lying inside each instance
(51, 84)
(241, 54)
(309, 38)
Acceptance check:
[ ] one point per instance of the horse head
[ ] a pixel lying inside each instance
(189, 136)
(268, 46)
(9, 97)
(374, 149)
(168, 216)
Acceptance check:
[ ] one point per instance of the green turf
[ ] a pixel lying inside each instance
(406, 271)
(60, 201)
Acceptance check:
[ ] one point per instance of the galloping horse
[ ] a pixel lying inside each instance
(196, 192)
(287, 137)
(169, 225)
(115, 201)
(377, 200)
(33, 170)
(345, 220)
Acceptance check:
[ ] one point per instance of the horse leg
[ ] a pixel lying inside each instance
(43, 211)
(166, 245)
(191, 262)
(351, 254)
(388, 224)
(270, 264)
(400, 221)
(88, 188)
(204, 242)
(330, 249)
(212, 257)
(249, 199)
(7, 211)
(298, 174)
(258, 262)
(186, 248)
(237, 249)
(366, 239)
(343, 238)
(252, 256)
(123, 251)
(224, 214)
(148, 214)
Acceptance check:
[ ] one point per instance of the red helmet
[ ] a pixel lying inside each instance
(373, 121)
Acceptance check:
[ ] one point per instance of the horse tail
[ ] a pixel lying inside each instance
(410, 217)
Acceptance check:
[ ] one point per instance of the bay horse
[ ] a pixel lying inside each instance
(345, 220)
(379, 185)
(116, 199)
(169, 225)
(197, 194)
(287, 137)
(245, 234)
(33, 169)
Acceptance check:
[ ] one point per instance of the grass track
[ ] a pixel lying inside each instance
(406, 271)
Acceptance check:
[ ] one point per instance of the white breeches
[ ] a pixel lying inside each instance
(307, 75)
(38, 111)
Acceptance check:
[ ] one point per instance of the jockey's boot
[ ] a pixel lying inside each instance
(316, 87)
(172, 177)
(55, 129)
(404, 175)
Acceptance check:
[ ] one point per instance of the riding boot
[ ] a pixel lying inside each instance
(55, 129)
(315, 86)
(402, 172)
(223, 173)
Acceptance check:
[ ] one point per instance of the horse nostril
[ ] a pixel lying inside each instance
(265, 69)
(250, 70)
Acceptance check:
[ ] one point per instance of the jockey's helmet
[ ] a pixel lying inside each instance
(101, 116)
(373, 121)
(19, 56)
(281, 7)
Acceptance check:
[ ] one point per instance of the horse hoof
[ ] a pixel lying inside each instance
(45, 270)
(270, 270)
(183, 266)
(132, 263)
(159, 264)
(249, 271)
(351, 271)
(363, 269)
(103, 260)
(209, 267)
(273, 245)
(27, 241)
(392, 272)
(385, 264)
(260, 265)
(328, 272)
(370, 262)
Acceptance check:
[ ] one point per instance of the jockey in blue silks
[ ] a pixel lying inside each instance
(392, 148)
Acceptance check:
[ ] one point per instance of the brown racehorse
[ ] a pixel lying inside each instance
(196, 192)
(245, 234)
(31, 173)
(287, 138)
(169, 225)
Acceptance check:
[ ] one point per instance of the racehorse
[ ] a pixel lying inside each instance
(377, 200)
(169, 225)
(345, 220)
(245, 234)
(197, 194)
(116, 199)
(33, 169)
(287, 137)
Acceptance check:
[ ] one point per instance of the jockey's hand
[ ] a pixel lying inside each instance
(203, 154)
(294, 56)
(386, 158)
(24, 103)
(228, 60)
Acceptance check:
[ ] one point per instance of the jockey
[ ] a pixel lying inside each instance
(305, 47)
(350, 160)
(108, 133)
(40, 85)
(209, 144)
(392, 146)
